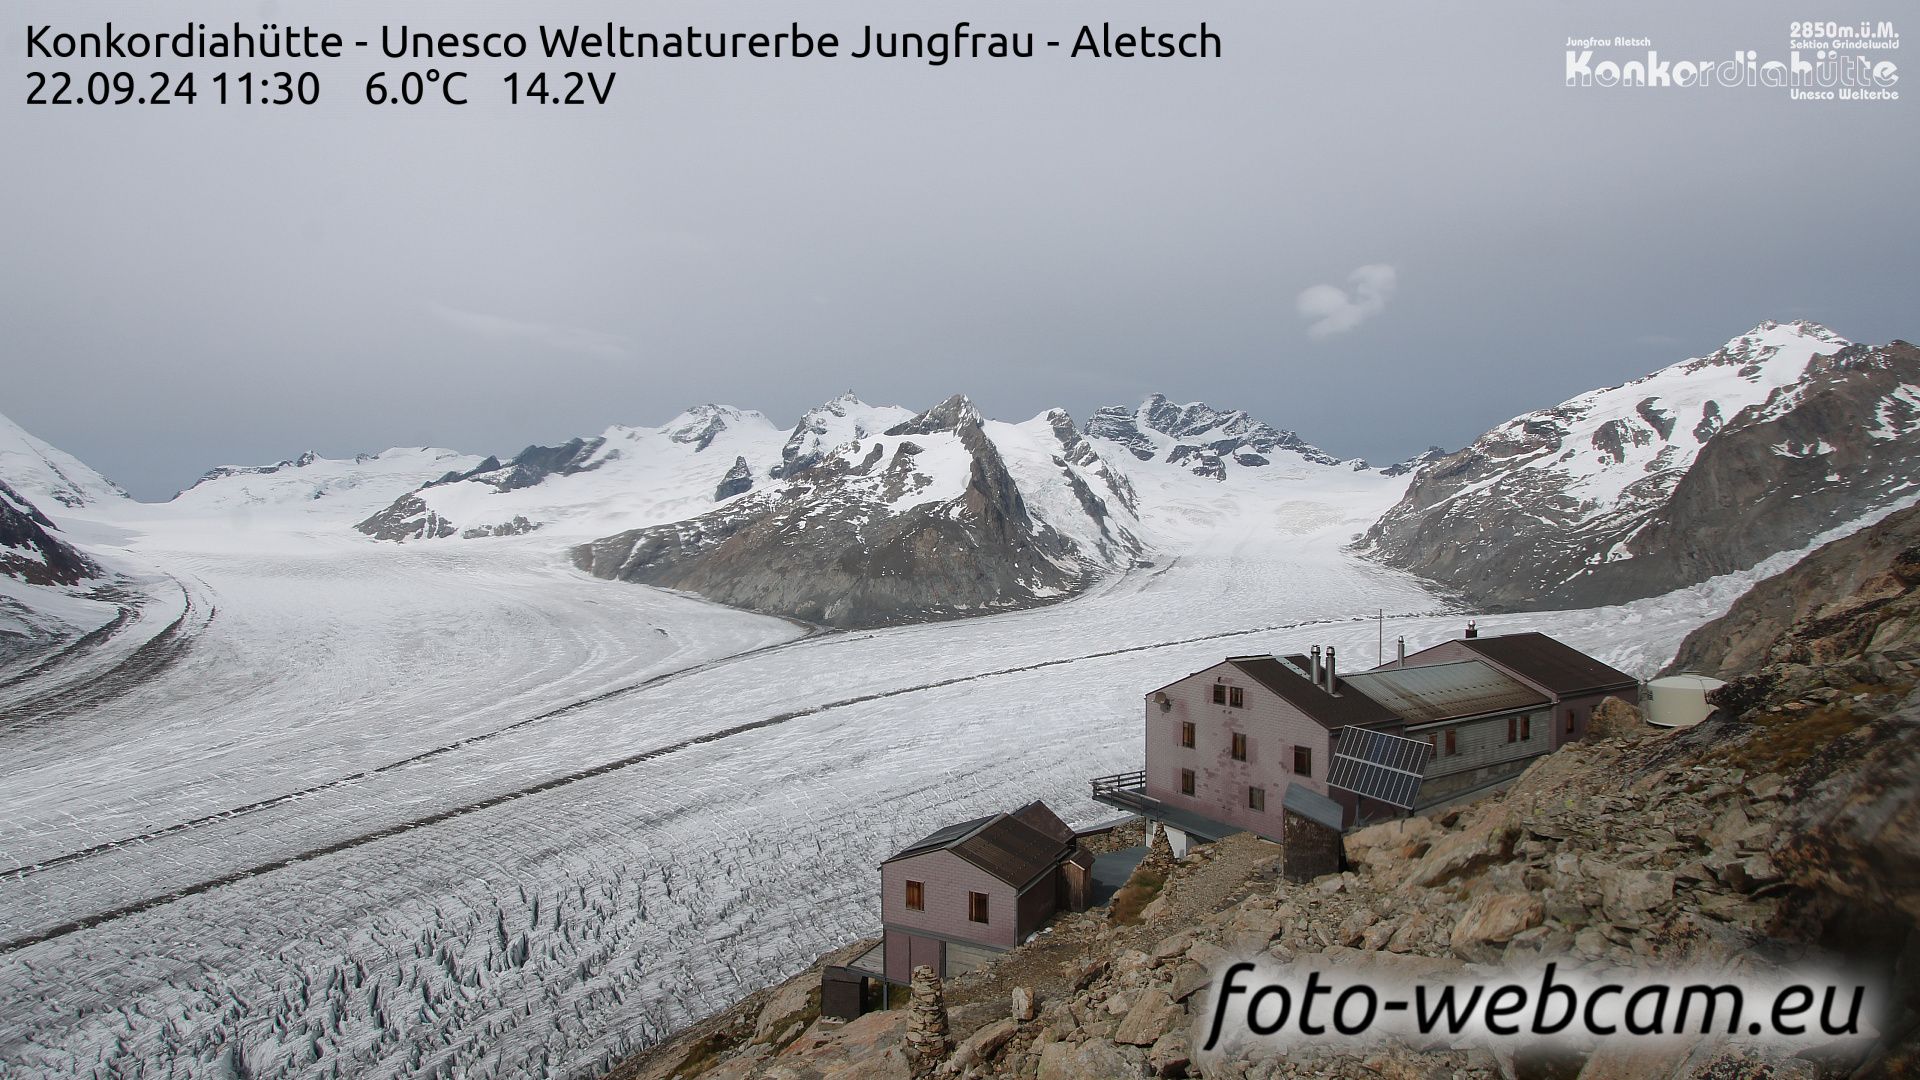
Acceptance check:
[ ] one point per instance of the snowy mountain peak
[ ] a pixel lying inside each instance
(702, 424)
(1772, 343)
(221, 472)
(333, 490)
(45, 474)
(831, 425)
(1583, 502)
(1198, 437)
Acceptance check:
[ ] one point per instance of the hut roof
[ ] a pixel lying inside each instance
(1433, 692)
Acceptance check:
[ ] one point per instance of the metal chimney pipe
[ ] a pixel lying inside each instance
(1314, 666)
(1472, 630)
(1330, 676)
(1400, 653)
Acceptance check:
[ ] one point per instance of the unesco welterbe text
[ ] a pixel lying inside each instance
(934, 46)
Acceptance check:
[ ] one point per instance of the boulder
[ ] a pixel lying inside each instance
(1090, 1060)
(983, 1044)
(1171, 1056)
(1206, 954)
(1616, 719)
(1153, 1015)
(1492, 920)
(1488, 841)
(1629, 895)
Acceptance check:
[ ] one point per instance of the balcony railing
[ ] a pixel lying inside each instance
(1119, 782)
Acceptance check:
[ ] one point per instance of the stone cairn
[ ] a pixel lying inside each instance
(927, 1041)
(1159, 858)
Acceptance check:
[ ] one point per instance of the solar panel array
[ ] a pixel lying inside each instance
(1380, 766)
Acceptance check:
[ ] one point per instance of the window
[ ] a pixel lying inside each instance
(977, 906)
(1186, 781)
(1219, 694)
(916, 896)
(1526, 728)
(1256, 798)
(1569, 721)
(1513, 728)
(1236, 698)
(1303, 760)
(1453, 745)
(1433, 743)
(1239, 746)
(1186, 734)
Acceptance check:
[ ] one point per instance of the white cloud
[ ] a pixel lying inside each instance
(1333, 310)
(549, 336)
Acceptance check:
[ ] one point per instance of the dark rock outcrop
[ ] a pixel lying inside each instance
(29, 550)
(1854, 597)
(410, 518)
(738, 481)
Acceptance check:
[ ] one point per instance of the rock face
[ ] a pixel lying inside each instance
(923, 520)
(1833, 598)
(29, 550)
(1824, 661)
(1705, 467)
(738, 481)
(1206, 441)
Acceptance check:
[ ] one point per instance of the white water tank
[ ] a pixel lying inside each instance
(1680, 700)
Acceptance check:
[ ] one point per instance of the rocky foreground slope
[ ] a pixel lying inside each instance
(1783, 832)
(1850, 598)
(1705, 467)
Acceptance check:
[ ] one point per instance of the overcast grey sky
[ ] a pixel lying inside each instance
(199, 285)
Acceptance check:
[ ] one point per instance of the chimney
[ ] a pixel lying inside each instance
(1400, 653)
(1472, 630)
(1313, 666)
(1329, 671)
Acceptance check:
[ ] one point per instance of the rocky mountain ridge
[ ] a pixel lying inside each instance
(1204, 440)
(334, 490)
(1699, 469)
(925, 519)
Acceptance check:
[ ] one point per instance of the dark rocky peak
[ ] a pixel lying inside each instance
(953, 414)
(738, 481)
(534, 464)
(1119, 424)
(1418, 461)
